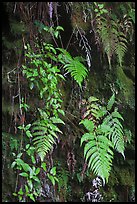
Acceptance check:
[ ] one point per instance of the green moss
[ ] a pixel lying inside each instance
(77, 17)
(126, 88)
(18, 28)
(125, 176)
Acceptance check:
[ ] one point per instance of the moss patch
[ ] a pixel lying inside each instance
(126, 88)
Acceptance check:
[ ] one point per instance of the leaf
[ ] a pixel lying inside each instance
(23, 174)
(33, 159)
(20, 192)
(116, 114)
(26, 188)
(37, 171)
(13, 164)
(89, 125)
(28, 133)
(51, 178)
(43, 165)
(31, 197)
(86, 137)
(57, 120)
(92, 99)
(59, 28)
(26, 167)
(111, 102)
(53, 171)
(61, 111)
(77, 70)
(30, 184)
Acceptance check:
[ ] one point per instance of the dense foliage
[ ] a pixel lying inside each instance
(66, 93)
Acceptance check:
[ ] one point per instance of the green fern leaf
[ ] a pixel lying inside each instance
(113, 40)
(85, 137)
(116, 114)
(111, 102)
(57, 120)
(97, 153)
(92, 99)
(105, 133)
(121, 47)
(73, 65)
(89, 125)
(44, 134)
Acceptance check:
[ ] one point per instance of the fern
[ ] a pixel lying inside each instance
(73, 66)
(111, 102)
(98, 153)
(116, 132)
(45, 135)
(105, 134)
(112, 38)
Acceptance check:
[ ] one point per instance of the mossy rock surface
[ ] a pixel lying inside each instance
(126, 88)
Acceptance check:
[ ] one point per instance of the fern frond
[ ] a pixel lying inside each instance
(121, 47)
(98, 154)
(116, 131)
(73, 65)
(111, 102)
(113, 40)
(44, 135)
(105, 133)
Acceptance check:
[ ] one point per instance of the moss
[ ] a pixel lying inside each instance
(125, 176)
(18, 28)
(126, 88)
(77, 18)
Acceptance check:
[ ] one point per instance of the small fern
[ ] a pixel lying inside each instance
(73, 66)
(112, 38)
(98, 152)
(45, 134)
(105, 133)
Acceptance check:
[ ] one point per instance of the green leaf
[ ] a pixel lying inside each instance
(89, 125)
(26, 188)
(20, 192)
(33, 160)
(37, 171)
(92, 99)
(111, 102)
(23, 174)
(13, 164)
(61, 111)
(28, 133)
(53, 171)
(26, 167)
(31, 197)
(60, 28)
(86, 137)
(57, 120)
(43, 165)
(15, 194)
(56, 33)
(35, 178)
(30, 184)
(116, 114)
(51, 178)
